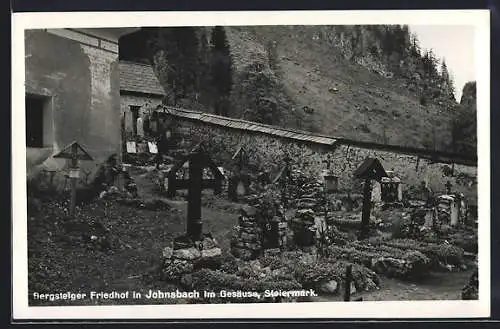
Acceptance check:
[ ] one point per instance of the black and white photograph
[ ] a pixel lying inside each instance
(251, 165)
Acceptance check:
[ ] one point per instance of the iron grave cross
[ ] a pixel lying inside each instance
(73, 152)
(198, 159)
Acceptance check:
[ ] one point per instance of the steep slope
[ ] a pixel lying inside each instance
(346, 99)
(366, 83)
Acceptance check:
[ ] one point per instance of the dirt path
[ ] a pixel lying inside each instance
(439, 286)
(215, 221)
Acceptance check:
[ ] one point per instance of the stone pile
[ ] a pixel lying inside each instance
(185, 256)
(246, 241)
(309, 205)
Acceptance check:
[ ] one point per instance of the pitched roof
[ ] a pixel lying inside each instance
(139, 78)
(370, 168)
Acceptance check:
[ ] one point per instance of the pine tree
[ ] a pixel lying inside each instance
(203, 78)
(175, 50)
(447, 82)
(464, 126)
(220, 70)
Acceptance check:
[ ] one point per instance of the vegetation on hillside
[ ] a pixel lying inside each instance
(220, 74)
(393, 51)
(370, 83)
(465, 122)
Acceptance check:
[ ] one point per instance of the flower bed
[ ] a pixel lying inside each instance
(218, 281)
(385, 260)
(292, 270)
(441, 255)
(314, 274)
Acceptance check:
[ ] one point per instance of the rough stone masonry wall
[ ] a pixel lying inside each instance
(145, 102)
(81, 85)
(269, 152)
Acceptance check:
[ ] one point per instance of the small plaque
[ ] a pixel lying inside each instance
(152, 147)
(74, 173)
(131, 147)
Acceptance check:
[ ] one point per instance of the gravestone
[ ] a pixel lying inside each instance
(239, 183)
(455, 212)
(153, 148)
(391, 189)
(142, 147)
(238, 187)
(448, 186)
(140, 127)
(429, 217)
(377, 193)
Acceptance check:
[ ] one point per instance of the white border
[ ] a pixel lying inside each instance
(407, 309)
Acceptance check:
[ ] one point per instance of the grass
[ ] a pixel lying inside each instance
(59, 260)
(56, 265)
(59, 264)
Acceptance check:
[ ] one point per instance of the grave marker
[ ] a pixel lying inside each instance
(152, 147)
(370, 169)
(73, 152)
(448, 186)
(131, 147)
(197, 160)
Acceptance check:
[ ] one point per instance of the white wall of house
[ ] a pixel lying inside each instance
(75, 73)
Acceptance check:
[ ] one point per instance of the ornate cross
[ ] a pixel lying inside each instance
(197, 159)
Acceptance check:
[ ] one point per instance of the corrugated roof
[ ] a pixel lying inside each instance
(251, 126)
(139, 78)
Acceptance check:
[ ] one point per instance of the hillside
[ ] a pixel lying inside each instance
(348, 99)
(324, 79)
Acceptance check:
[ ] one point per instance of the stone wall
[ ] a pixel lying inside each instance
(79, 79)
(268, 152)
(145, 102)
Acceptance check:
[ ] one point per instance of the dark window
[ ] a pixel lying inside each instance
(34, 121)
(135, 116)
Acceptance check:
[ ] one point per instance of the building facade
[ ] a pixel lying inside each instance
(140, 92)
(72, 94)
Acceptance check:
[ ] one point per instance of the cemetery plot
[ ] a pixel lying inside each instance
(290, 233)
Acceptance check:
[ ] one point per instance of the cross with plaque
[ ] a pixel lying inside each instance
(370, 169)
(198, 159)
(73, 152)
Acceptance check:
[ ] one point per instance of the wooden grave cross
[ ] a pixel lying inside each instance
(198, 159)
(240, 158)
(448, 186)
(73, 152)
(370, 169)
